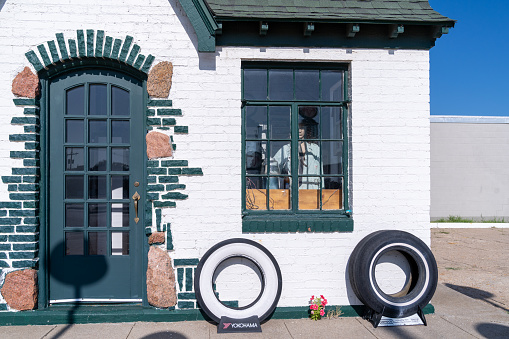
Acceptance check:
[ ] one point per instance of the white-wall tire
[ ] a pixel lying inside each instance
(271, 286)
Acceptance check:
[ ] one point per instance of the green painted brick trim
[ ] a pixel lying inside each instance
(180, 277)
(29, 146)
(160, 103)
(158, 218)
(163, 128)
(153, 163)
(25, 120)
(155, 188)
(132, 55)
(108, 44)
(181, 129)
(125, 48)
(53, 51)
(186, 262)
(148, 231)
(23, 213)
(10, 221)
(28, 221)
(22, 255)
(44, 55)
(116, 49)
(6, 229)
(139, 61)
(30, 179)
(24, 247)
(4, 264)
(10, 204)
(24, 264)
(153, 121)
(34, 60)
(164, 204)
(169, 122)
(90, 42)
(5, 247)
(25, 171)
(148, 213)
(12, 188)
(174, 195)
(148, 62)
(152, 179)
(174, 163)
(161, 228)
(174, 171)
(151, 112)
(23, 137)
(169, 111)
(99, 44)
(10, 180)
(23, 238)
(152, 196)
(294, 224)
(3, 213)
(189, 279)
(185, 304)
(31, 129)
(61, 46)
(26, 102)
(187, 296)
(3, 255)
(72, 48)
(192, 171)
(24, 196)
(31, 110)
(28, 187)
(169, 238)
(30, 204)
(157, 170)
(27, 229)
(172, 187)
(81, 43)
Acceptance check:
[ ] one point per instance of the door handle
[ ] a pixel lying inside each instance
(136, 197)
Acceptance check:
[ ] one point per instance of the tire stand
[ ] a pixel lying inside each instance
(374, 317)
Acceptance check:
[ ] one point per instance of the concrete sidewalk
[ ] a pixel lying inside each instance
(456, 316)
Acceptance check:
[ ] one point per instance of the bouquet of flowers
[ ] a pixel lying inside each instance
(317, 307)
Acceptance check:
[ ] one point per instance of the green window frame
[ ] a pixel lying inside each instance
(285, 193)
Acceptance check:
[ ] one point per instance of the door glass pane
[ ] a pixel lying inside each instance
(119, 215)
(307, 85)
(120, 131)
(119, 101)
(74, 216)
(74, 187)
(256, 122)
(119, 243)
(280, 84)
(74, 131)
(120, 159)
(74, 243)
(98, 99)
(97, 215)
(255, 84)
(74, 159)
(256, 159)
(97, 243)
(280, 122)
(332, 155)
(97, 187)
(256, 194)
(280, 197)
(280, 160)
(75, 101)
(332, 89)
(97, 131)
(97, 159)
(332, 193)
(309, 190)
(119, 187)
(331, 123)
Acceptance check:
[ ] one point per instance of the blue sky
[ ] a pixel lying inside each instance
(470, 65)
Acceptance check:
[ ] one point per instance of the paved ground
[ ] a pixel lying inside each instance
(470, 302)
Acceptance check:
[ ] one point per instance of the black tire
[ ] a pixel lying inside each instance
(423, 266)
(269, 296)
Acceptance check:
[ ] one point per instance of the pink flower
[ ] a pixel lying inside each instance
(312, 297)
(315, 307)
(321, 296)
(324, 302)
(322, 312)
(311, 307)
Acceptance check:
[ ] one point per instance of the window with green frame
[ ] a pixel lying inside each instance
(295, 147)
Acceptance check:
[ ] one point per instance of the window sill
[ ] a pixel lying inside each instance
(296, 224)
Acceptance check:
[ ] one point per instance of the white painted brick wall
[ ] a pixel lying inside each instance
(390, 132)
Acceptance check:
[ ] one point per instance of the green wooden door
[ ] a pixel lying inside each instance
(96, 140)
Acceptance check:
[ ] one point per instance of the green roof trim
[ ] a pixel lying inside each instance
(204, 24)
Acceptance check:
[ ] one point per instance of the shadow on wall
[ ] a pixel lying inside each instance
(2, 3)
(476, 294)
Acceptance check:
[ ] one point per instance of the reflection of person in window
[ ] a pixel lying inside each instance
(308, 162)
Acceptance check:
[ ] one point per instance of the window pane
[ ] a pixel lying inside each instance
(120, 243)
(119, 187)
(332, 88)
(280, 122)
(74, 159)
(309, 193)
(74, 216)
(307, 85)
(97, 131)
(280, 198)
(120, 131)
(256, 157)
(73, 243)
(308, 122)
(120, 104)
(74, 131)
(308, 161)
(97, 159)
(74, 187)
(280, 84)
(97, 215)
(97, 187)
(280, 157)
(256, 122)
(98, 99)
(75, 101)
(332, 193)
(120, 159)
(119, 215)
(331, 123)
(97, 243)
(256, 194)
(255, 84)
(332, 155)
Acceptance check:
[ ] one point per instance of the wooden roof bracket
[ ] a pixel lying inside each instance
(439, 30)
(352, 29)
(396, 30)
(264, 27)
(309, 28)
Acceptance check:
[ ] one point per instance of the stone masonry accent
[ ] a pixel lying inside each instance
(156, 238)
(161, 291)
(26, 84)
(158, 145)
(159, 80)
(20, 289)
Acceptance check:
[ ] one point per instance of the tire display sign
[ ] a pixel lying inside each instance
(229, 325)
